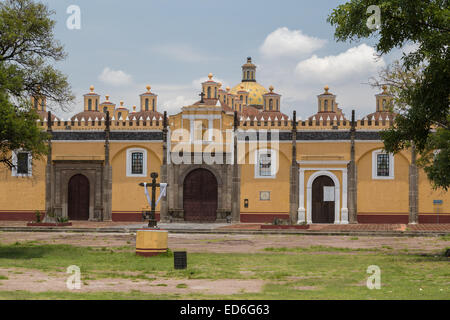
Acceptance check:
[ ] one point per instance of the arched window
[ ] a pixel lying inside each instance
(266, 163)
(382, 165)
(325, 107)
(332, 105)
(278, 106)
(384, 104)
(242, 98)
(252, 76)
(36, 103)
(105, 109)
(136, 162)
(89, 104)
(248, 75)
(119, 115)
(215, 93)
(96, 105)
(146, 104)
(270, 104)
(209, 92)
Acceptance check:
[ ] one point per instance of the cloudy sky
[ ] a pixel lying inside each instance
(173, 44)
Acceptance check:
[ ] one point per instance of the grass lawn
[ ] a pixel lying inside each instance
(288, 273)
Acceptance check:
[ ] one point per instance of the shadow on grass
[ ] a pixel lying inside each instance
(26, 252)
(23, 252)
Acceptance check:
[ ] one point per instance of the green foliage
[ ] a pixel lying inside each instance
(38, 216)
(27, 49)
(423, 100)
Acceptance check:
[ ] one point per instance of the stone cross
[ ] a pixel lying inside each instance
(152, 223)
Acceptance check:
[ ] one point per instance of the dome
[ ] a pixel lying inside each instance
(255, 92)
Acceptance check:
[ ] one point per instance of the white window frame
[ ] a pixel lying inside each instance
(375, 165)
(130, 162)
(14, 162)
(274, 163)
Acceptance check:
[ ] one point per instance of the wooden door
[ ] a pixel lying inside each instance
(78, 200)
(322, 208)
(200, 196)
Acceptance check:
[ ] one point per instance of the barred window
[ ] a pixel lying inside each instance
(22, 163)
(137, 163)
(265, 164)
(383, 165)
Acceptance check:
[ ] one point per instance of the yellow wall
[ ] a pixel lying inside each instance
(382, 196)
(23, 193)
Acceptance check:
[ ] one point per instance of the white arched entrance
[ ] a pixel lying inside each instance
(340, 214)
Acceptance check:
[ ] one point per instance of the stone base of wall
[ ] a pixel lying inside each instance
(403, 218)
(262, 218)
(26, 215)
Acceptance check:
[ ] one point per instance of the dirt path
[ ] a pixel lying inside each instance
(37, 281)
(234, 243)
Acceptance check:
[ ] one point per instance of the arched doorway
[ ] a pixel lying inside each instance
(200, 196)
(78, 198)
(323, 200)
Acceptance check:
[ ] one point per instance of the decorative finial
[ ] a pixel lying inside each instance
(249, 60)
(210, 76)
(148, 87)
(271, 89)
(134, 108)
(326, 89)
(121, 103)
(385, 89)
(242, 87)
(107, 97)
(92, 89)
(228, 89)
(220, 85)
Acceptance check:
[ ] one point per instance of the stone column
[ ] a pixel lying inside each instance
(236, 179)
(352, 176)
(164, 212)
(293, 176)
(413, 188)
(107, 176)
(49, 167)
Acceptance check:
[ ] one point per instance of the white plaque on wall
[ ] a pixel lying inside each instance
(328, 193)
(264, 195)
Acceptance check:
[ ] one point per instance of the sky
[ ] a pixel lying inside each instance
(173, 45)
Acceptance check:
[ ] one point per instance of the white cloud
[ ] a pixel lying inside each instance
(355, 62)
(180, 52)
(197, 84)
(115, 77)
(284, 42)
(173, 106)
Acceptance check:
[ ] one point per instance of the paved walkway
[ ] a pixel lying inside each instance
(242, 227)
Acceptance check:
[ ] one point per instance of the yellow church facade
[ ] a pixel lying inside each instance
(233, 155)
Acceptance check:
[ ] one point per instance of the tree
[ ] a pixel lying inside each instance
(424, 113)
(27, 49)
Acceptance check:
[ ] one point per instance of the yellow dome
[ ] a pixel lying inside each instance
(255, 92)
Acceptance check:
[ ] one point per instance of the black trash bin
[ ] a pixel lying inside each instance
(180, 260)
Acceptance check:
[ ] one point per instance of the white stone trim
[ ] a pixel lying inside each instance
(375, 153)
(129, 162)
(322, 162)
(14, 162)
(340, 214)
